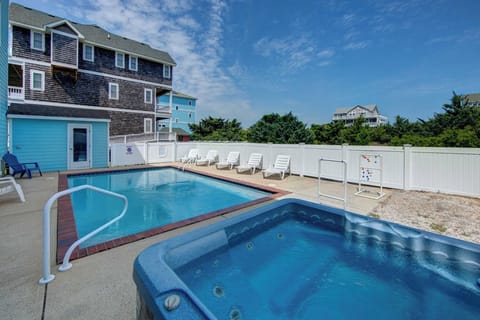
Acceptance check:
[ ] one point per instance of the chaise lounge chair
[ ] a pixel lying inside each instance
(191, 157)
(233, 159)
(20, 168)
(254, 163)
(8, 184)
(210, 158)
(280, 167)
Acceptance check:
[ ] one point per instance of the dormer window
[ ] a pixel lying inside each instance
(37, 40)
(133, 63)
(119, 60)
(88, 53)
(166, 71)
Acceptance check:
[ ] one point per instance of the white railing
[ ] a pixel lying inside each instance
(163, 109)
(15, 93)
(47, 275)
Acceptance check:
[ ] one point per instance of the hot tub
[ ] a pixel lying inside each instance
(294, 259)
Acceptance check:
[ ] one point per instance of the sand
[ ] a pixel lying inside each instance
(449, 215)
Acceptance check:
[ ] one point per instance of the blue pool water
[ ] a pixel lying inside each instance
(295, 260)
(157, 197)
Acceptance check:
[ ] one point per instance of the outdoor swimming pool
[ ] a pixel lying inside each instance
(157, 197)
(298, 260)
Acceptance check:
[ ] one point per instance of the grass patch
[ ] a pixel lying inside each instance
(438, 227)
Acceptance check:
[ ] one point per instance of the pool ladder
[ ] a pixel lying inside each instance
(66, 265)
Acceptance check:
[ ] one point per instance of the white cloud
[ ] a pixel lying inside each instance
(327, 53)
(292, 53)
(356, 45)
(192, 37)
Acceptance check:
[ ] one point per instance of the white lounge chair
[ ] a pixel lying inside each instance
(254, 163)
(281, 166)
(233, 159)
(210, 158)
(8, 184)
(191, 157)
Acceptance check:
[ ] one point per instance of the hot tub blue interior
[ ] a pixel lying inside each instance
(297, 260)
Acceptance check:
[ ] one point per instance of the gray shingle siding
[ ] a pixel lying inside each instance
(87, 89)
(104, 62)
(128, 123)
(21, 46)
(65, 49)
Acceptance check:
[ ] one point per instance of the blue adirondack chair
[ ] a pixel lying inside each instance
(20, 168)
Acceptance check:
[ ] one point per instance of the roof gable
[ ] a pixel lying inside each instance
(64, 26)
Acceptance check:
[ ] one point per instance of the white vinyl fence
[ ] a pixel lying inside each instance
(447, 170)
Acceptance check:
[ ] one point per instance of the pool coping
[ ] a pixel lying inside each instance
(67, 230)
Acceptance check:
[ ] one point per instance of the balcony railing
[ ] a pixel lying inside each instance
(163, 109)
(16, 93)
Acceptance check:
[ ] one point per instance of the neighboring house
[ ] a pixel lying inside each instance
(473, 99)
(89, 82)
(370, 113)
(3, 75)
(183, 114)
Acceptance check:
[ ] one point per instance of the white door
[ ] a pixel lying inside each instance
(79, 146)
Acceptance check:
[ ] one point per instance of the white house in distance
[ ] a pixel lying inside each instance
(370, 113)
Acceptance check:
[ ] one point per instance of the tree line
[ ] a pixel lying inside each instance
(458, 125)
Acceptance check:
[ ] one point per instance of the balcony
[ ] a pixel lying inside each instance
(15, 93)
(163, 112)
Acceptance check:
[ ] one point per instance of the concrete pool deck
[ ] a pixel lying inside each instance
(100, 286)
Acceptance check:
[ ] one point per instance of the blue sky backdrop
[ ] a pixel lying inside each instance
(246, 58)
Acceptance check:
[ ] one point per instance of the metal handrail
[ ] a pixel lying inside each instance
(47, 276)
(344, 199)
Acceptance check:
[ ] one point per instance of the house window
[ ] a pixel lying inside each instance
(148, 95)
(37, 40)
(119, 60)
(133, 63)
(189, 103)
(176, 120)
(147, 125)
(37, 80)
(88, 53)
(189, 116)
(176, 107)
(166, 71)
(113, 91)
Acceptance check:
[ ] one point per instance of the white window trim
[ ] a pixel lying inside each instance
(145, 95)
(147, 124)
(165, 68)
(110, 96)
(116, 60)
(93, 52)
(130, 63)
(32, 32)
(42, 74)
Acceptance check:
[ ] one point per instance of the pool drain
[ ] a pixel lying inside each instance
(235, 314)
(172, 302)
(250, 245)
(218, 291)
(280, 235)
(478, 282)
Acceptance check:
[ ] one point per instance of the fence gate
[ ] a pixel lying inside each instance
(371, 174)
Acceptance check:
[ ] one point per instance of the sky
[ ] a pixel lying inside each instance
(246, 58)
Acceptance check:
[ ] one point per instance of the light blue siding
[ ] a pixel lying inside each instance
(100, 144)
(45, 142)
(183, 112)
(3, 74)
